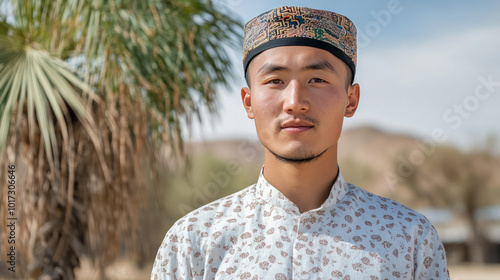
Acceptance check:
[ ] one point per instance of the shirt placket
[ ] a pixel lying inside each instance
(301, 257)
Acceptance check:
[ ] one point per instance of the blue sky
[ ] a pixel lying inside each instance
(423, 66)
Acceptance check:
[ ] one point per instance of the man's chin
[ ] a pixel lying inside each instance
(297, 157)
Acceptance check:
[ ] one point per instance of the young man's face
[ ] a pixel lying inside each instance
(298, 99)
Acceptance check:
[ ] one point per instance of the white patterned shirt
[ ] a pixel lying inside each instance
(257, 233)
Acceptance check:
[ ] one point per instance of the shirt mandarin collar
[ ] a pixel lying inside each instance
(271, 195)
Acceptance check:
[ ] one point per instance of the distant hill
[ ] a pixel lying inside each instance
(369, 158)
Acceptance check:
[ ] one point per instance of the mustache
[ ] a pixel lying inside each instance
(280, 121)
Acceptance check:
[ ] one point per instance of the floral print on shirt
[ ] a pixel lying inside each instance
(257, 233)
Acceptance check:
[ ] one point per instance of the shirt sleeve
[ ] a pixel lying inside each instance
(430, 261)
(174, 259)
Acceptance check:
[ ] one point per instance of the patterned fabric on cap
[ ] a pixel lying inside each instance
(298, 26)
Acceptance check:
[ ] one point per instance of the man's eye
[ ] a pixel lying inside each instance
(317, 80)
(275, 81)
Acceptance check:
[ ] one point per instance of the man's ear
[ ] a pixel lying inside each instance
(247, 101)
(352, 100)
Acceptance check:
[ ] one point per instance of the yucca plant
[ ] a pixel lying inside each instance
(90, 91)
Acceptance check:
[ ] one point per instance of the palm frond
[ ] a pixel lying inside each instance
(33, 75)
(168, 52)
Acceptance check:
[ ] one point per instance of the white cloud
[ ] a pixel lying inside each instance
(416, 84)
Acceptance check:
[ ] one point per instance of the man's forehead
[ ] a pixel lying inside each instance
(295, 57)
(321, 64)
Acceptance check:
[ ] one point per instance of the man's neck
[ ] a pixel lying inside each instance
(308, 184)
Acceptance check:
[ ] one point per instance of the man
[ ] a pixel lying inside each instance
(301, 220)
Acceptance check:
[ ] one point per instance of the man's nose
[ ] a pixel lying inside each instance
(295, 98)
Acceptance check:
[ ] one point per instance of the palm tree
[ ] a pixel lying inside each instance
(90, 90)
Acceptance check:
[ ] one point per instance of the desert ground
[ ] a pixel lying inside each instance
(125, 270)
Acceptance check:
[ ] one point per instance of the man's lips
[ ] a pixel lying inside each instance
(296, 126)
(296, 129)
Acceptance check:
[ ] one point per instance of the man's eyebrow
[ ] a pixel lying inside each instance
(320, 65)
(269, 68)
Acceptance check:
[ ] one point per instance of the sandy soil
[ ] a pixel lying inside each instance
(469, 272)
(121, 269)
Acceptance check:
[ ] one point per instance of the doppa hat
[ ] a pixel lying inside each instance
(300, 26)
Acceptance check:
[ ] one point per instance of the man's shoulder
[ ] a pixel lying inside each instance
(388, 209)
(207, 214)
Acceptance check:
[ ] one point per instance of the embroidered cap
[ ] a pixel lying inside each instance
(300, 26)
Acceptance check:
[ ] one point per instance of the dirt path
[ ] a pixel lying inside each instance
(469, 272)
